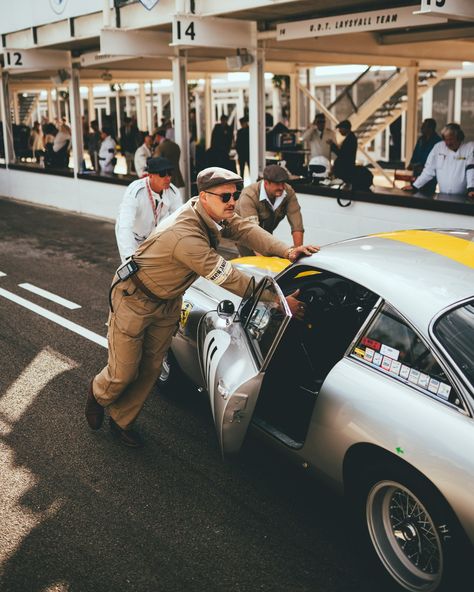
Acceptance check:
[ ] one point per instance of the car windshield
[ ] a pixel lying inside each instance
(455, 330)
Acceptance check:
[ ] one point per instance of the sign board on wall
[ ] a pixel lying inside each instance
(455, 9)
(31, 60)
(191, 30)
(374, 20)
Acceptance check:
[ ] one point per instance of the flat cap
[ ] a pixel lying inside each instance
(345, 123)
(214, 176)
(275, 174)
(158, 164)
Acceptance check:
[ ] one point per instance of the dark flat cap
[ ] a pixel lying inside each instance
(214, 176)
(345, 123)
(275, 174)
(158, 164)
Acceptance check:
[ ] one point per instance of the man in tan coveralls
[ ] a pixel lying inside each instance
(267, 202)
(146, 306)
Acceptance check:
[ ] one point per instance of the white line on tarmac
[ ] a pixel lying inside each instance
(2, 274)
(55, 318)
(50, 296)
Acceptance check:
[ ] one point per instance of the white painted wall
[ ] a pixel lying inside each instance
(70, 194)
(324, 220)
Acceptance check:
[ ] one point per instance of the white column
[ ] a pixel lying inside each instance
(6, 118)
(151, 118)
(159, 108)
(208, 114)
(457, 99)
(411, 125)
(76, 123)
(257, 108)
(427, 104)
(197, 100)
(50, 105)
(90, 103)
(276, 104)
(117, 111)
(294, 100)
(141, 111)
(181, 118)
(16, 108)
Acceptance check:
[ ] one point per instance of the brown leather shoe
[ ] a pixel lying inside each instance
(94, 412)
(129, 438)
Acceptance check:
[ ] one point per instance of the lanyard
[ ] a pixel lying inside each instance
(153, 202)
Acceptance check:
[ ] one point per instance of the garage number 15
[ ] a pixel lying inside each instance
(438, 3)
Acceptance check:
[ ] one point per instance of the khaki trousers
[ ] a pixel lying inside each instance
(139, 335)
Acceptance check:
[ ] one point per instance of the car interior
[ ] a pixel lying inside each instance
(336, 308)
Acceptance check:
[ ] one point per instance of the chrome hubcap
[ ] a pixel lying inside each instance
(404, 536)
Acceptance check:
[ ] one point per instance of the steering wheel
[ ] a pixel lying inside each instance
(319, 295)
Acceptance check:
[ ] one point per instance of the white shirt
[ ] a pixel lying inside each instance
(106, 154)
(318, 145)
(135, 220)
(454, 170)
(60, 140)
(141, 155)
(264, 196)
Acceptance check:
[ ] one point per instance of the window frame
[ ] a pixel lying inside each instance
(465, 383)
(464, 409)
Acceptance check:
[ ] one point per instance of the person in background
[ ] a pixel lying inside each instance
(221, 138)
(451, 162)
(242, 144)
(61, 146)
(107, 159)
(146, 202)
(428, 139)
(36, 141)
(142, 154)
(145, 307)
(267, 202)
(319, 137)
(344, 165)
(93, 145)
(128, 142)
(170, 150)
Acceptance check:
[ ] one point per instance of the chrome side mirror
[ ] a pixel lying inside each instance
(225, 309)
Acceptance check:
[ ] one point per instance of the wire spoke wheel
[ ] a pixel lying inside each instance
(404, 535)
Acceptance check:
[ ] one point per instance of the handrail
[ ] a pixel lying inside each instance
(334, 119)
(347, 89)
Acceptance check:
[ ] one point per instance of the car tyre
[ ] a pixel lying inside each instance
(411, 531)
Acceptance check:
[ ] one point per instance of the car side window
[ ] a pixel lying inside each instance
(394, 348)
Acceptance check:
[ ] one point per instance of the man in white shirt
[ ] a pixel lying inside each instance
(451, 162)
(146, 202)
(107, 149)
(142, 154)
(319, 137)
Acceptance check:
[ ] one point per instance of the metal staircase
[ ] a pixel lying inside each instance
(388, 103)
(27, 103)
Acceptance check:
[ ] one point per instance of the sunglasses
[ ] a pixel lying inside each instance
(225, 197)
(166, 173)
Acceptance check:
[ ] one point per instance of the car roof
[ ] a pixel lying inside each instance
(420, 272)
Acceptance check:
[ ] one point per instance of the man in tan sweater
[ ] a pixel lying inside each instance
(267, 202)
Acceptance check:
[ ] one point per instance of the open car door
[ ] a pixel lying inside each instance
(234, 353)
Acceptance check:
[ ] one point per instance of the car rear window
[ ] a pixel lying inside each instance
(455, 330)
(392, 347)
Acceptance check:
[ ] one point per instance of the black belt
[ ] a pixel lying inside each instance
(141, 286)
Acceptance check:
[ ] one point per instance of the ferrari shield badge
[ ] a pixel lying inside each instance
(185, 310)
(149, 4)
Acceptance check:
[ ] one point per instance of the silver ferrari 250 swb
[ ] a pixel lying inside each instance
(373, 391)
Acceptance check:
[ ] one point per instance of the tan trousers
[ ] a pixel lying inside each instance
(139, 335)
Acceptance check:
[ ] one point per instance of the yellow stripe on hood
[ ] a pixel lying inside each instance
(455, 248)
